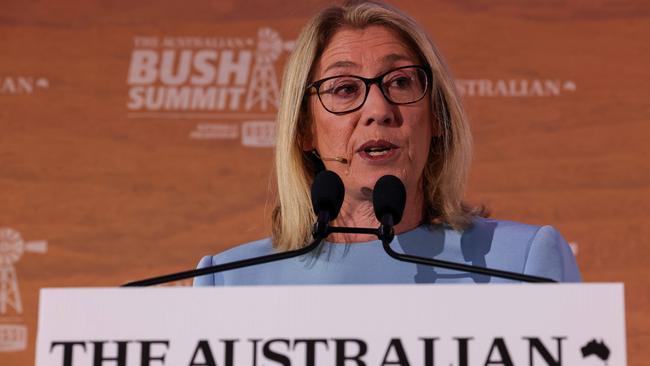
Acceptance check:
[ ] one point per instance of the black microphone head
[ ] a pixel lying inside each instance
(389, 197)
(327, 193)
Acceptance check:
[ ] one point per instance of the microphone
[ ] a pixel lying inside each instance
(327, 193)
(388, 200)
(340, 159)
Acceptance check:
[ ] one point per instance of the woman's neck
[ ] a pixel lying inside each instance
(360, 213)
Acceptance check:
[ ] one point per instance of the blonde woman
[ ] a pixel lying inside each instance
(365, 94)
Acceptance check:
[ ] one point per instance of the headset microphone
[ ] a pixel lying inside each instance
(340, 159)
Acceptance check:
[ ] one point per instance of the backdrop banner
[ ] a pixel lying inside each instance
(137, 136)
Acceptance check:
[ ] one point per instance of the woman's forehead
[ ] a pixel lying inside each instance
(369, 49)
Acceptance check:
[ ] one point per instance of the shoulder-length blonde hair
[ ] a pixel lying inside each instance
(447, 168)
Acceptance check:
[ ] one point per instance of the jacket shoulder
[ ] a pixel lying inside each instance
(541, 249)
(244, 251)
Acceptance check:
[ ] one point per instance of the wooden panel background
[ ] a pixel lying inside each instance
(119, 197)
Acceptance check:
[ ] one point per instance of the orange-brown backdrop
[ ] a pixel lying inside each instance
(99, 185)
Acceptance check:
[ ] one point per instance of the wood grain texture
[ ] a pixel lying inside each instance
(119, 198)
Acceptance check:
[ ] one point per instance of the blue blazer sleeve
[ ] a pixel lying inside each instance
(208, 280)
(549, 255)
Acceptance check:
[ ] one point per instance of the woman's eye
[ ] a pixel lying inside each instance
(345, 89)
(400, 82)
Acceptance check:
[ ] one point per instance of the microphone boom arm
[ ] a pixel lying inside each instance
(463, 267)
(379, 232)
(226, 266)
(385, 233)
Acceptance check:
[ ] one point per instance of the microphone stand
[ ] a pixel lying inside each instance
(227, 266)
(463, 267)
(385, 233)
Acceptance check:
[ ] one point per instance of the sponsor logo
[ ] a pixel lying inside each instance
(13, 334)
(22, 85)
(231, 86)
(339, 351)
(220, 81)
(595, 348)
(207, 131)
(514, 88)
(258, 133)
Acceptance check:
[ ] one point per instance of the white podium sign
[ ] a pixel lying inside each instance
(428, 325)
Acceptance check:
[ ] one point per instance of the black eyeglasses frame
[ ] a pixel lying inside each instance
(368, 83)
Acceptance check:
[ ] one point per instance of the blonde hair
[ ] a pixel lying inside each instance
(447, 168)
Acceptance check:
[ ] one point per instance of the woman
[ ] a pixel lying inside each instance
(365, 94)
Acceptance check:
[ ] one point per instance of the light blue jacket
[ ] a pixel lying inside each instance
(505, 245)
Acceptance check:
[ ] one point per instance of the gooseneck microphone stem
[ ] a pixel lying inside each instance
(352, 230)
(389, 201)
(463, 267)
(226, 266)
(383, 232)
(386, 234)
(321, 231)
(321, 227)
(327, 193)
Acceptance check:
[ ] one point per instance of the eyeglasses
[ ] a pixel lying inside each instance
(347, 93)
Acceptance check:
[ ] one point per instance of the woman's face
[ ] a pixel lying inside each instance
(380, 138)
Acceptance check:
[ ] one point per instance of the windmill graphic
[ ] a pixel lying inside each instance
(263, 88)
(12, 248)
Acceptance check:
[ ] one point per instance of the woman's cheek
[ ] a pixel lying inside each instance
(338, 141)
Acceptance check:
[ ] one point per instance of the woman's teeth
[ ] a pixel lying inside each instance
(376, 151)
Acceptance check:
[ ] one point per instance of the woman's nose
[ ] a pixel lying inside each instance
(377, 109)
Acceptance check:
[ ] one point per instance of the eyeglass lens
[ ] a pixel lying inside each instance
(346, 93)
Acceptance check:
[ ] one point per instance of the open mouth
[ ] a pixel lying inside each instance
(377, 149)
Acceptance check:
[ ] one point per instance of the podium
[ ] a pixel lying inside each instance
(429, 325)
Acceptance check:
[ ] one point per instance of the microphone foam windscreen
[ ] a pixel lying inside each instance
(327, 193)
(389, 196)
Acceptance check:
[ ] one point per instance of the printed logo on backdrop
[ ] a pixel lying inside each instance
(229, 84)
(13, 333)
(514, 88)
(22, 84)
